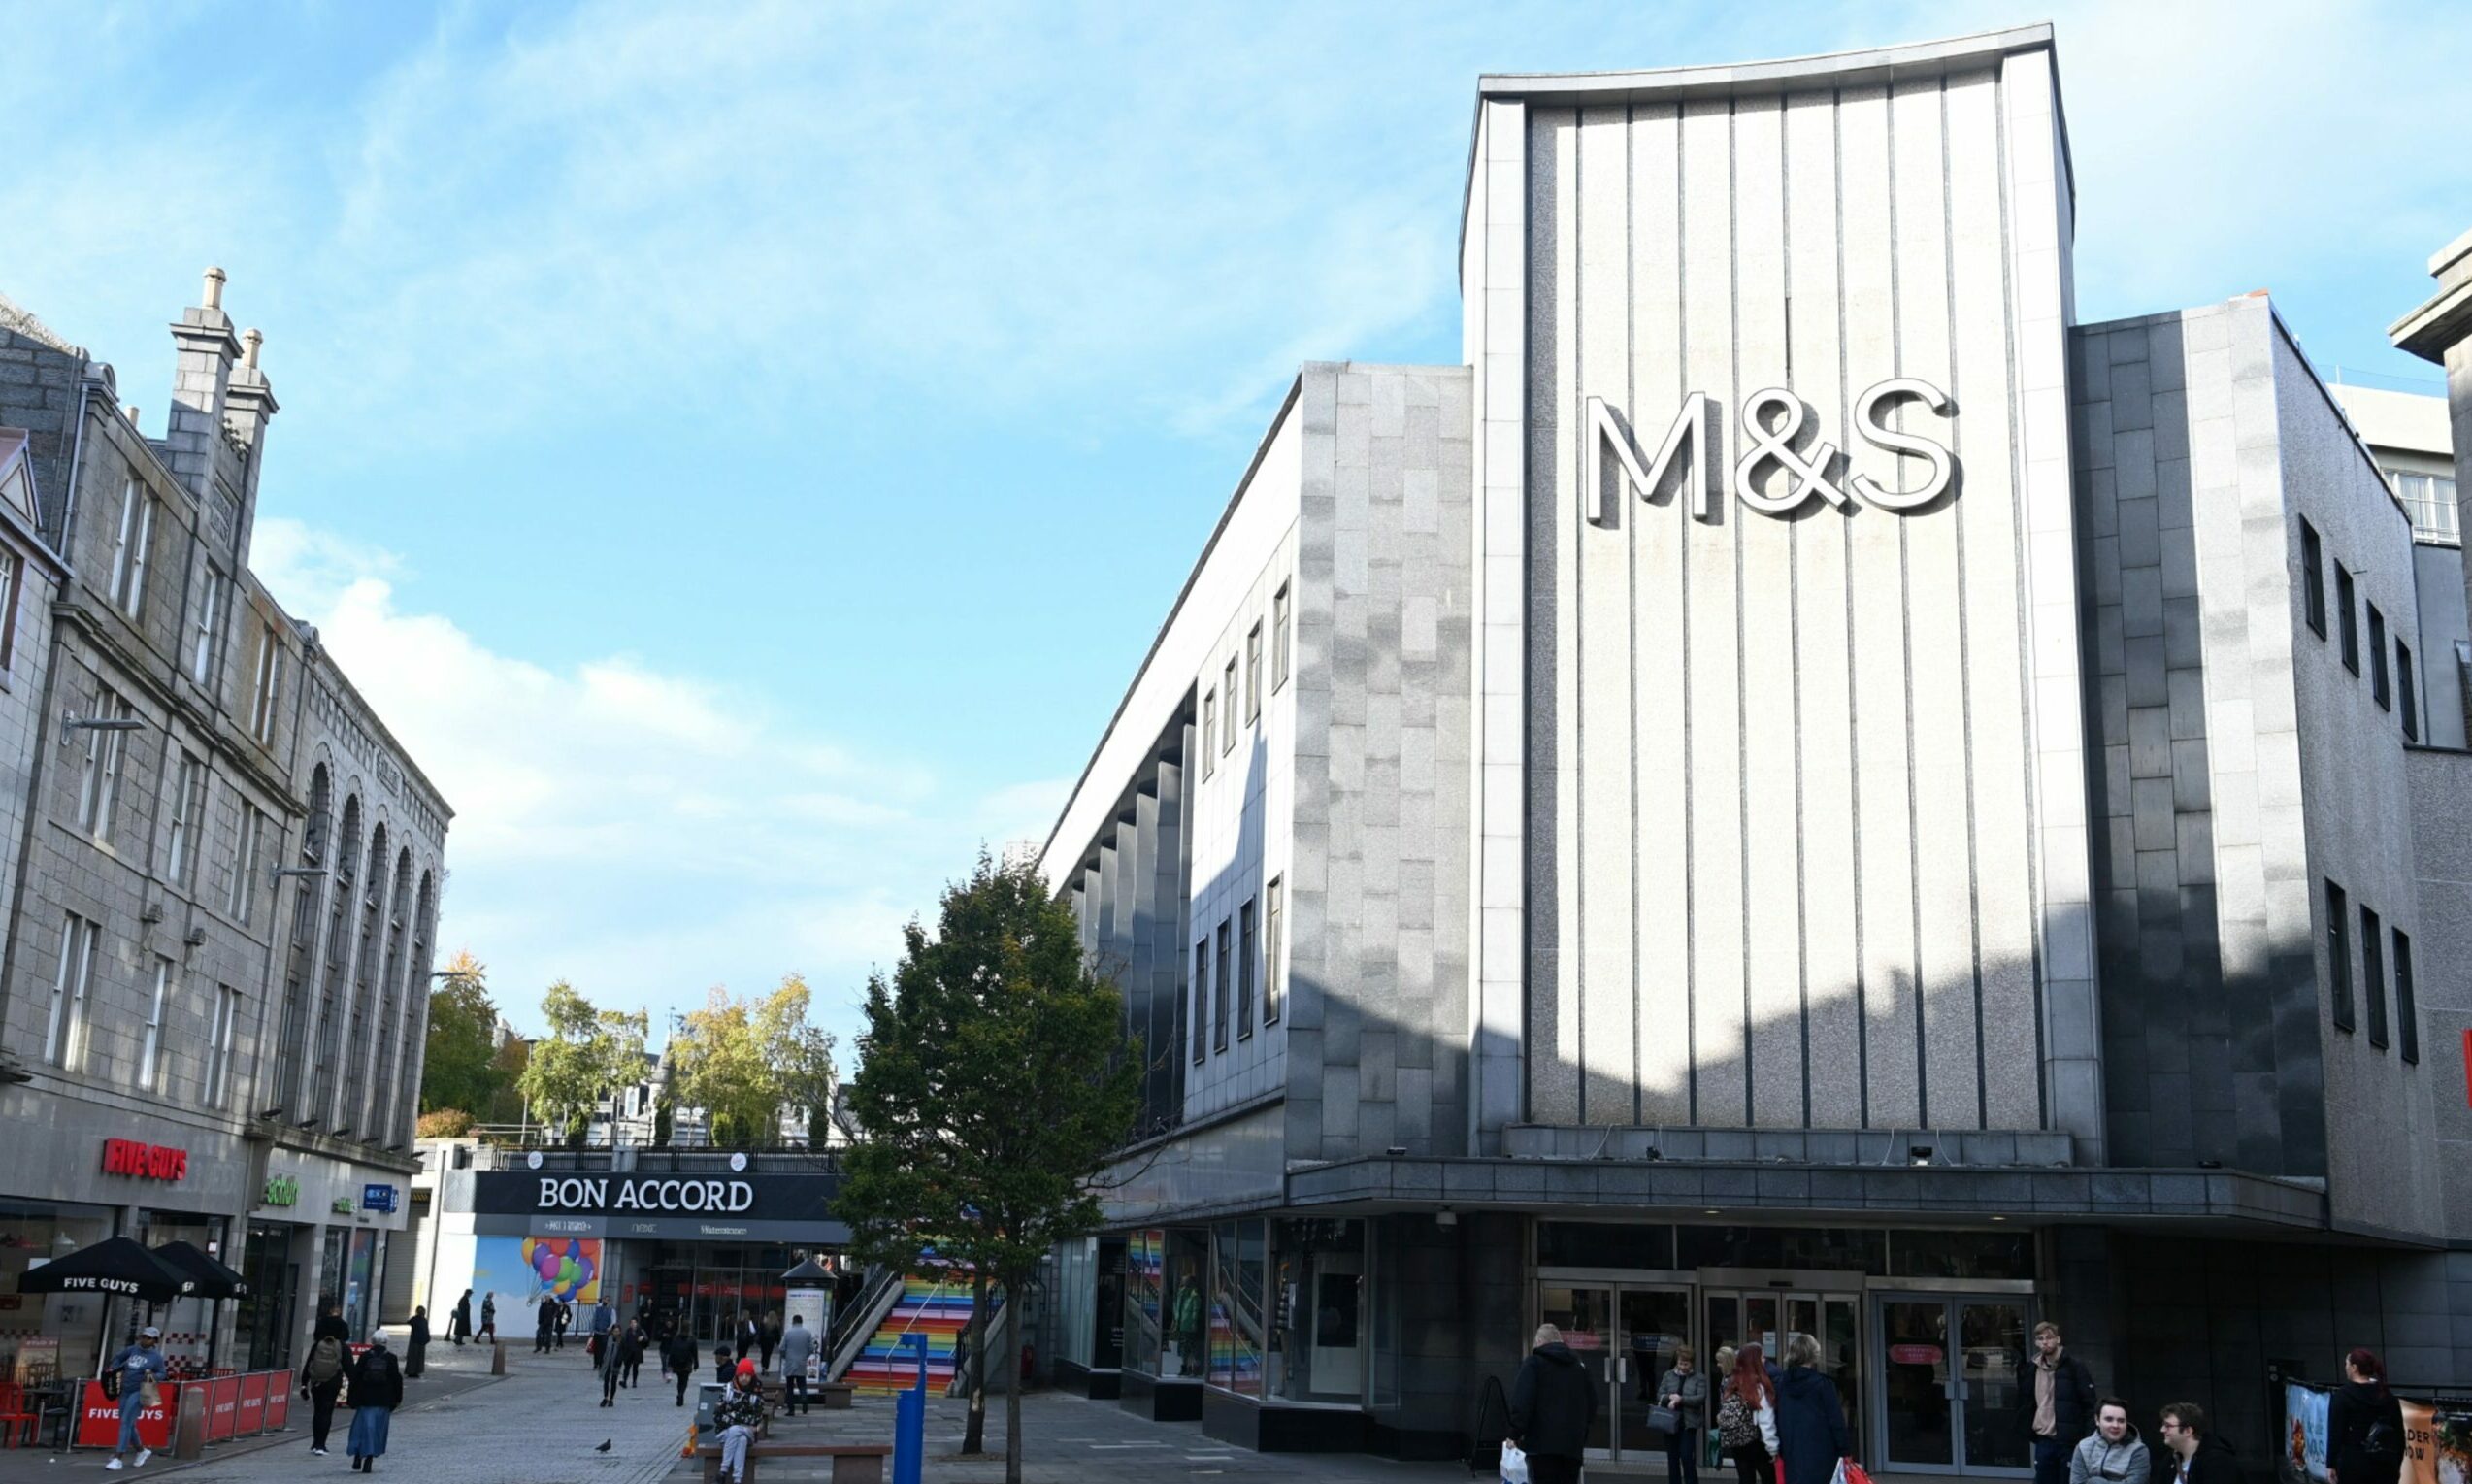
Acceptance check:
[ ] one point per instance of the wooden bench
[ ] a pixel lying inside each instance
(852, 1462)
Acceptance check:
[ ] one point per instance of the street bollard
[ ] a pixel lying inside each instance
(188, 1424)
(497, 1357)
(909, 1419)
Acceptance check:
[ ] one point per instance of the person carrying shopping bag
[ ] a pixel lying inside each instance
(1553, 1403)
(139, 1369)
(1811, 1431)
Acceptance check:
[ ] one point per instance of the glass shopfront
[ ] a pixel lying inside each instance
(1239, 1254)
(59, 1334)
(1320, 1311)
(187, 1323)
(706, 1285)
(268, 1317)
(1165, 1302)
(348, 1272)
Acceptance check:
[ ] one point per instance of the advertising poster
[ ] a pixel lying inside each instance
(2434, 1451)
(2304, 1432)
(520, 1270)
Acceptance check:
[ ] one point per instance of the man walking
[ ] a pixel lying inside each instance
(604, 1319)
(2058, 1409)
(459, 1323)
(545, 1325)
(678, 1353)
(1553, 1403)
(321, 1378)
(138, 1366)
(797, 1347)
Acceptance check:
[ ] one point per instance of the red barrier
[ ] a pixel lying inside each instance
(252, 1416)
(279, 1399)
(99, 1422)
(222, 1408)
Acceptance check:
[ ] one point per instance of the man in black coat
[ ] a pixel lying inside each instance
(1553, 1403)
(2191, 1454)
(544, 1325)
(2056, 1406)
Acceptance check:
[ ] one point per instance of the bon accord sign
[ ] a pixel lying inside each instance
(1799, 470)
(628, 1204)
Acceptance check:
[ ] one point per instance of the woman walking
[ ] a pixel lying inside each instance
(1684, 1391)
(489, 1317)
(1746, 1417)
(377, 1389)
(459, 1323)
(417, 1348)
(2365, 1425)
(1811, 1431)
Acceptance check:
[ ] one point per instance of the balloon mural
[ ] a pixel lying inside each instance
(565, 1267)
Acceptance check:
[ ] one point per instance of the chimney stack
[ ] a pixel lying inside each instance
(250, 405)
(201, 378)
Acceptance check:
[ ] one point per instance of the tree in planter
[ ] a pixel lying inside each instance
(587, 1054)
(996, 1079)
(743, 1061)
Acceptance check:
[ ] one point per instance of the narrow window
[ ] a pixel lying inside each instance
(2378, 659)
(2373, 975)
(210, 607)
(1271, 950)
(2348, 620)
(1246, 945)
(1200, 1000)
(1280, 637)
(1219, 1001)
(2312, 577)
(64, 1040)
(132, 495)
(2405, 691)
(218, 1060)
(1253, 675)
(13, 570)
(244, 898)
(2339, 955)
(188, 815)
(99, 786)
(2407, 1017)
(1227, 732)
(130, 545)
(1209, 724)
(267, 685)
(150, 1057)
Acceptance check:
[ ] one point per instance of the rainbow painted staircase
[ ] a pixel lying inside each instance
(937, 1307)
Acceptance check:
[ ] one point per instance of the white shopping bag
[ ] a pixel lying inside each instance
(1514, 1463)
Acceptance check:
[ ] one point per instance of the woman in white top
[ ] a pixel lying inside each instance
(1747, 1416)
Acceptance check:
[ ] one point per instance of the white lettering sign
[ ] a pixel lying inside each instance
(1692, 455)
(574, 1194)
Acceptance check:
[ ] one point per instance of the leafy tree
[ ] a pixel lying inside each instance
(587, 1054)
(507, 1105)
(443, 1123)
(743, 1061)
(996, 1080)
(459, 1070)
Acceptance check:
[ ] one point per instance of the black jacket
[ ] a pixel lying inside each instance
(1553, 1403)
(376, 1379)
(679, 1352)
(420, 1329)
(330, 1325)
(2072, 1397)
(2212, 1463)
(1811, 1434)
(2355, 1407)
(547, 1315)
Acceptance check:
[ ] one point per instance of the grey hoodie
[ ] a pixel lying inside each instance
(2097, 1461)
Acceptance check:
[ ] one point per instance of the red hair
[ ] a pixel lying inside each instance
(2365, 1361)
(1751, 1377)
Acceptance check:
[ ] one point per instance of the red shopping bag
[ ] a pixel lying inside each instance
(1853, 1473)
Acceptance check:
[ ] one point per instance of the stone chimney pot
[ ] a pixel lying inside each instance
(249, 342)
(214, 288)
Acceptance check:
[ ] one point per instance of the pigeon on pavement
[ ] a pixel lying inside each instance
(604, 1445)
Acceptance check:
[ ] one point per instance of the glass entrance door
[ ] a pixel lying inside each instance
(1766, 1316)
(1626, 1333)
(1948, 1383)
(1585, 1314)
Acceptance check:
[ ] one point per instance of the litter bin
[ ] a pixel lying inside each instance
(708, 1398)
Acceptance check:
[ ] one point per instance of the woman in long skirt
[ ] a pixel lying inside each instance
(377, 1389)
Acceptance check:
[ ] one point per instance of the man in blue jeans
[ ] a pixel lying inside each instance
(135, 1366)
(2056, 1407)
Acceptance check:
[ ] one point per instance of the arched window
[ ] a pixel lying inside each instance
(417, 985)
(334, 988)
(321, 801)
(392, 995)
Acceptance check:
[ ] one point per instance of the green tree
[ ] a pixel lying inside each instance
(743, 1061)
(996, 1080)
(507, 1105)
(587, 1054)
(458, 1071)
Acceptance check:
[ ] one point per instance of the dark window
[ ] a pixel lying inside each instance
(1245, 945)
(1201, 999)
(2373, 975)
(2348, 619)
(2339, 954)
(1219, 1031)
(1272, 928)
(2405, 692)
(2312, 577)
(2407, 1020)
(2378, 659)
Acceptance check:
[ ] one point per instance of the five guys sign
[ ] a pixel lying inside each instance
(144, 1162)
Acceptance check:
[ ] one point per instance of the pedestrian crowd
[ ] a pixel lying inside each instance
(1785, 1424)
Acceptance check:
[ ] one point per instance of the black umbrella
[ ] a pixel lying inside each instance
(115, 1264)
(212, 1279)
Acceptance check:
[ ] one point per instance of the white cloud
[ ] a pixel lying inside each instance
(646, 835)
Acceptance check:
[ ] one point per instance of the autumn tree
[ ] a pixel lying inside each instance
(459, 1071)
(587, 1054)
(745, 1061)
(995, 1082)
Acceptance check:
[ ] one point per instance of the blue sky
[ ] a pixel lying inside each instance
(744, 450)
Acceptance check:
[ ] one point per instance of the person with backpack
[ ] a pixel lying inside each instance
(132, 1373)
(1684, 1391)
(377, 1389)
(1747, 1416)
(321, 1378)
(2365, 1425)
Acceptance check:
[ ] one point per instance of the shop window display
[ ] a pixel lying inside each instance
(1319, 1323)
(60, 1330)
(1237, 1315)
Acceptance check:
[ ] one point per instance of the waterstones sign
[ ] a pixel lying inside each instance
(1779, 469)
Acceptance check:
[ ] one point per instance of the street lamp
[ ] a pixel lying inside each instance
(281, 872)
(71, 721)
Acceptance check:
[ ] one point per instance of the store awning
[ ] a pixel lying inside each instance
(116, 1264)
(212, 1279)
(810, 1274)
